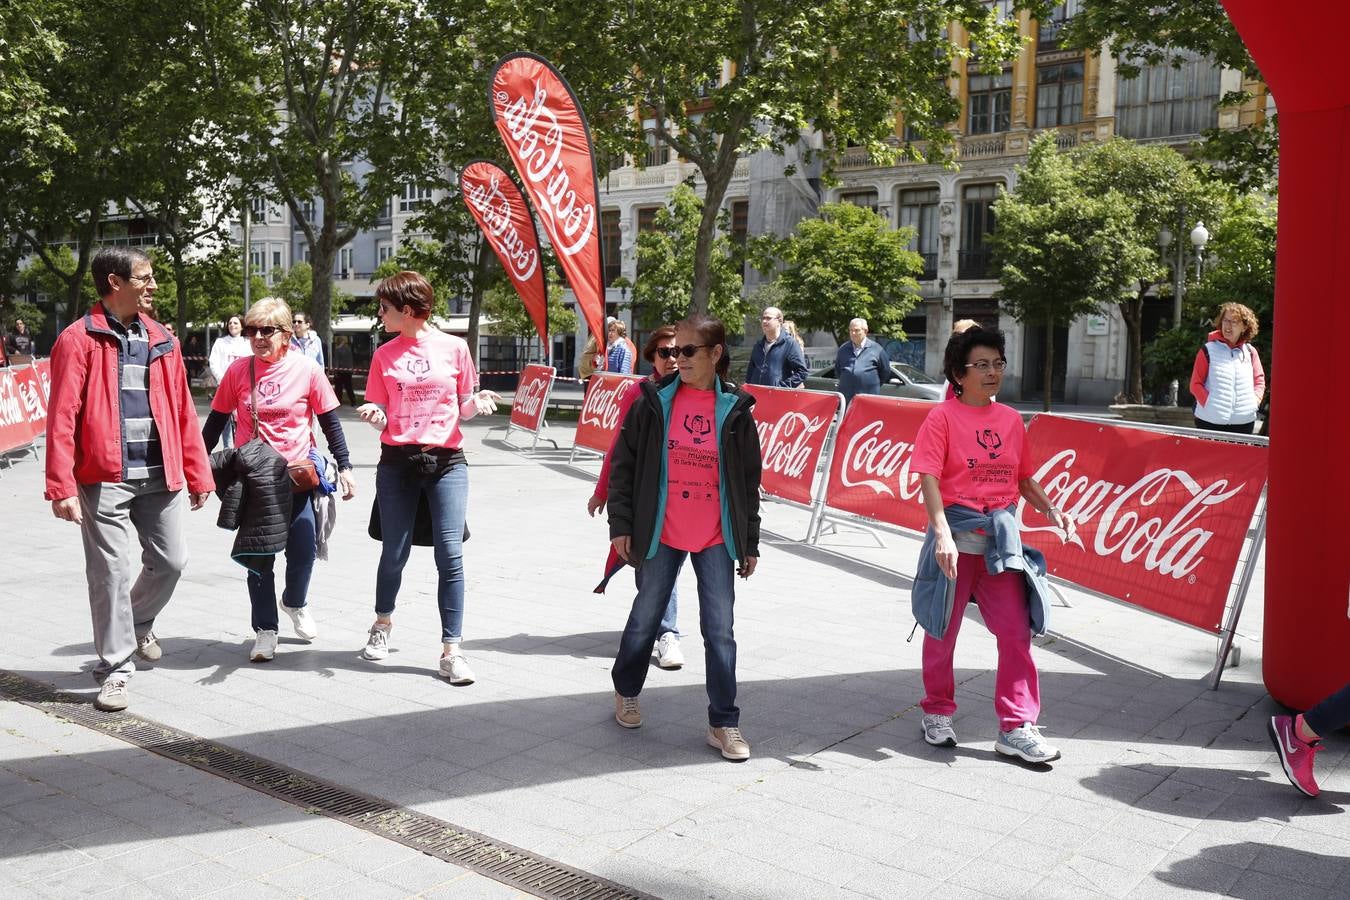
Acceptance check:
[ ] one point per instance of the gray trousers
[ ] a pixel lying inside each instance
(123, 611)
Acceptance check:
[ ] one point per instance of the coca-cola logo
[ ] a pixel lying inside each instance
(495, 211)
(1127, 524)
(786, 443)
(602, 404)
(11, 408)
(29, 395)
(538, 137)
(529, 400)
(879, 463)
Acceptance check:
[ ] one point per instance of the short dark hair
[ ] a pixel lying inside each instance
(656, 339)
(958, 350)
(301, 314)
(407, 288)
(114, 261)
(711, 333)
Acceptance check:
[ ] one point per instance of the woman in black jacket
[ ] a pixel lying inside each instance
(685, 483)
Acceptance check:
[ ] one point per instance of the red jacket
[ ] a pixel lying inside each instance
(84, 414)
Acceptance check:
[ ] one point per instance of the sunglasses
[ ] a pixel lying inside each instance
(264, 330)
(687, 350)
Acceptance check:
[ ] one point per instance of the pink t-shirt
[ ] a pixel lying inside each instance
(693, 518)
(419, 382)
(978, 453)
(290, 392)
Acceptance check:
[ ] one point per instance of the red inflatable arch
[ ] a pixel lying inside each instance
(1307, 632)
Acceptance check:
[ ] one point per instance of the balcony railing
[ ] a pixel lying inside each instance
(929, 266)
(974, 263)
(981, 147)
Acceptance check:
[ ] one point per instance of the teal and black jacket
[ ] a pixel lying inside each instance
(637, 476)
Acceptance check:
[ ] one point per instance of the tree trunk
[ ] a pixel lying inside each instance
(180, 281)
(1132, 313)
(715, 191)
(480, 266)
(321, 286)
(85, 236)
(1048, 367)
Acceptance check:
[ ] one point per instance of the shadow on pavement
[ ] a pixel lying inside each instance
(1257, 871)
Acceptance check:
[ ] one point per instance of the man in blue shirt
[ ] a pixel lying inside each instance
(777, 359)
(304, 340)
(861, 365)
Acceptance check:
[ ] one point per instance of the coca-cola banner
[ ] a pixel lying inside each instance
(599, 419)
(44, 370)
(527, 409)
(548, 139)
(16, 429)
(793, 427)
(869, 472)
(28, 381)
(500, 211)
(1161, 519)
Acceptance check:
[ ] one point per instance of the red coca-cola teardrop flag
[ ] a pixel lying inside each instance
(501, 213)
(547, 137)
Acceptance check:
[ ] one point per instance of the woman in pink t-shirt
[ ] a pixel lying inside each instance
(971, 456)
(275, 395)
(657, 352)
(422, 384)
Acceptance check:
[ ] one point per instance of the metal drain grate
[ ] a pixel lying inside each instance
(499, 861)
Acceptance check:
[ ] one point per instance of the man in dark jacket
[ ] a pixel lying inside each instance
(861, 366)
(777, 360)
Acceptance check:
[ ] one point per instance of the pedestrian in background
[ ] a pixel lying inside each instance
(227, 348)
(621, 355)
(1227, 380)
(777, 359)
(343, 364)
(19, 342)
(592, 360)
(686, 471)
(123, 442)
(861, 365)
(273, 395)
(304, 340)
(422, 384)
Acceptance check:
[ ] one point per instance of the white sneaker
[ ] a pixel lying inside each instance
(1027, 742)
(112, 695)
(668, 652)
(377, 645)
(305, 627)
(938, 731)
(456, 668)
(264, 647)
(148, 647)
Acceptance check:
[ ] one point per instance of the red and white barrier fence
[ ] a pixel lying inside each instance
(531, 402)
(23, 405)
(599, 419)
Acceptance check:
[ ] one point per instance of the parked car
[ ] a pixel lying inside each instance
(906, 381)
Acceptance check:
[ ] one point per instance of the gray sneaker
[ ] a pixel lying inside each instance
(148, 647)
(938, 731)
(112, 696)
(456, 669)
(1025, 741)
(377, 645)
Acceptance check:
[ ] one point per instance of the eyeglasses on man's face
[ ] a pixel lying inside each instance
(687, 350)
(148, 278)
(985, 365)
(264, 331)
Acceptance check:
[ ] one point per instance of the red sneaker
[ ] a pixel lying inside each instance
(1295, 755)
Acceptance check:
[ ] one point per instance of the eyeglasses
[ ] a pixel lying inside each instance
(687, 350)
(143, 279)
(297, 321)
(265, 331)
(985, 365)
(769, 318)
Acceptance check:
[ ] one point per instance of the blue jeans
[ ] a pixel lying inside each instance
(1332, 714)
(300, 547)
(716, 597)
(669, 623)
(398, 489)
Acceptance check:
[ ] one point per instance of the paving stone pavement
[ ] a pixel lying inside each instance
(1166, 788)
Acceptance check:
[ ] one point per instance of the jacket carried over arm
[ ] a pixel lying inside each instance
(637, 480)
(255, 499)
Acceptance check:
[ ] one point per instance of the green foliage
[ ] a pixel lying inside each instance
(504, 307)
(664, 288)
(1240, 266)
(296, 287)
(1170, 356)
(52, 278)
(848, 263)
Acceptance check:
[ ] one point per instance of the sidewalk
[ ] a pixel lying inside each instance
(1165, 789)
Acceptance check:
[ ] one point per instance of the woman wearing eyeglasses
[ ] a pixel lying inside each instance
(685, 483)
(286, 390)
(659, 351)
(422, 384)
(972, 458)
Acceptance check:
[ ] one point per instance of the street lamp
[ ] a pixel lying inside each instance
(1199, 238)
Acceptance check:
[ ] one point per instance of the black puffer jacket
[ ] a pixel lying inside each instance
(255, 498)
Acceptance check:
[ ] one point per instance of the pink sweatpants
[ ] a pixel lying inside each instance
(1003, 606)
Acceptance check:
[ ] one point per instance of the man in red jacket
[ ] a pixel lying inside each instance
(118, 383)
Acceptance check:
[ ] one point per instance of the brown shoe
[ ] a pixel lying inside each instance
(730, 741)
(626, 711)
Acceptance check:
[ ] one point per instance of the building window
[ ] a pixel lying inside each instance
(919, 210)
(257, 258)
(646, 218)
(1059, 95)
(345, 262)
(387, 210)
(1165, 102)
(865, 199)
(258, 208)
(413, 198)
(990, 103)
(276, 259)
(274, 213)
(1053, 24)
(740, 229)
(658, 154)
(1004, 7)
(611, 244)
(977, 222)
(384, 252)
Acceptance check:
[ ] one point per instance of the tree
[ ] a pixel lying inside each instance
(1060, 252)
(503, 306)
(794, 69)
(1167, 191)
(664, 288)
(296, 287)
(848, 263)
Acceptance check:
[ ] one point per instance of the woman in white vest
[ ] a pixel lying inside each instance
(1228, 381)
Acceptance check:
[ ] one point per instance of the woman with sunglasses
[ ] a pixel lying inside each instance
(973, 464)
(684, 482)
(659, 351)
(422, 384)
(287, 390)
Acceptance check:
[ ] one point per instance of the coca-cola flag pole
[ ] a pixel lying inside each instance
(504, 218)
(546, 134)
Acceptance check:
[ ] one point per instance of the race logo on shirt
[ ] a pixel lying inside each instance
(418, 368)
(989, 439)
(699, 427)
(269, 391)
